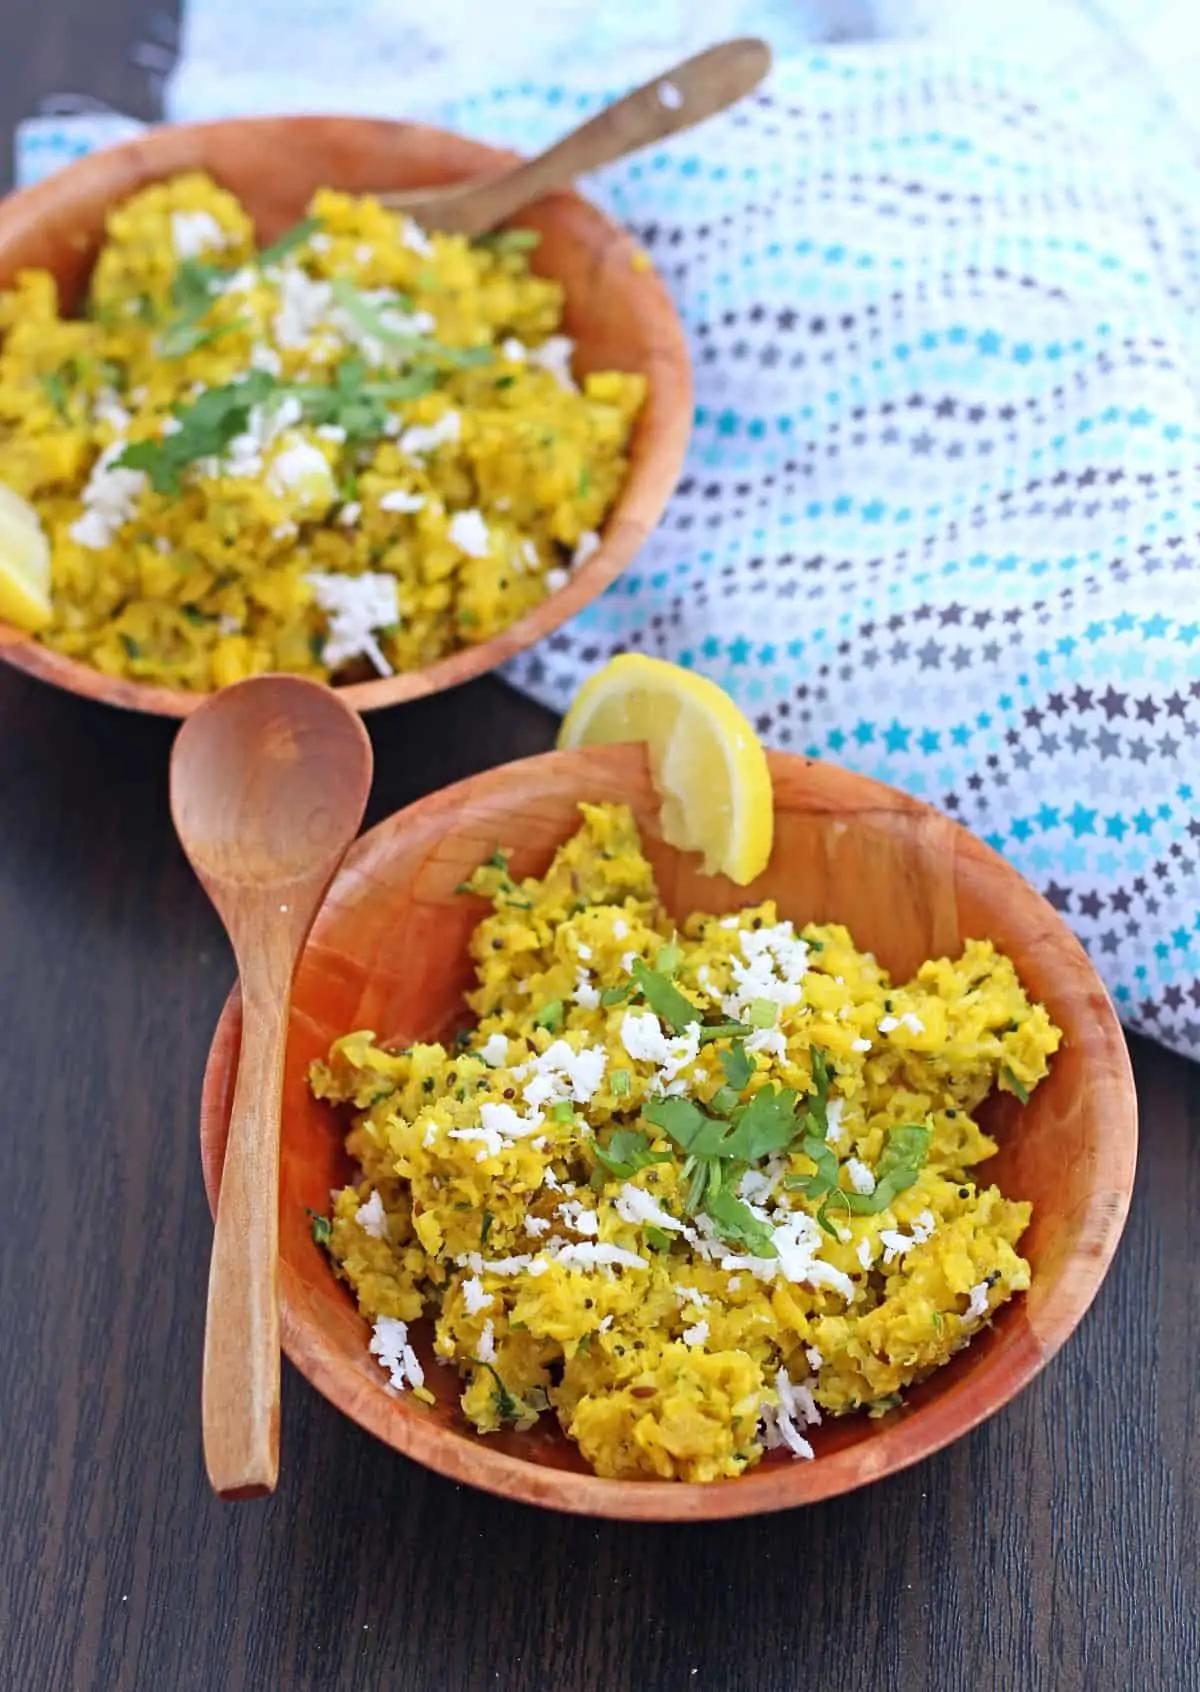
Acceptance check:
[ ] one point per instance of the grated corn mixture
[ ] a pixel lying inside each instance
(348, 454)
(690, 1190)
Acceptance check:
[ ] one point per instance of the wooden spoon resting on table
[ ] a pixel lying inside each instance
(696, 89)
(269, 781)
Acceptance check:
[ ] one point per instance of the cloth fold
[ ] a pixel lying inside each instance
(939, 516)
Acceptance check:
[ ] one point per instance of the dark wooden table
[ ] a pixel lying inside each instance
(1054, 1549)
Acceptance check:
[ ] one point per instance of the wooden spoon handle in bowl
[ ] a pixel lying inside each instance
(240, 1396)
(694, 90)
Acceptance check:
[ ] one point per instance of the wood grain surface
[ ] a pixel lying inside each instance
(1054, 1550)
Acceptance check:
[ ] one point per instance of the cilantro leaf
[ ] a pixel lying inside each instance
(510, 240)
(664, 998)
(900, 1163)
(287, 243)
(691, 1128)
(766, 1124)
(206, 428)
(322, 1227)
(723, 1031)
(668, 960)
(508, 1408)
(614, 995)
(763, 1013)
(627, 1151)
(737, 1224)
(53, 384)
(179, 339)
(550, 1016)
(738, 1066)
(370, 318)
(618, 1081)
(1015, 1086)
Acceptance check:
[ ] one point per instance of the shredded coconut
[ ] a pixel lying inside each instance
(422, 438)
(475, 1298)
(977, 1309)
(355, 606)
(586, 995)
(815, 1360)
(494, 1051)
(195, 232)
(399, 500)
(469, 533)
(860, 1045)
(554, 355)
(579, 1218)
(109, 498)
(697, 1334)
(779, 1420)
(372, 1217)
(593, 1255)
(389, 1342)
(487, 1343)
(556, 580)
(861, 1178)
(639, 1207)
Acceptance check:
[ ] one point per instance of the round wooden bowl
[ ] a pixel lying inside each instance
(620, 318)
(388, 952)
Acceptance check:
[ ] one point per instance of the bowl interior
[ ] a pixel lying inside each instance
(620, 317)
(388, 952)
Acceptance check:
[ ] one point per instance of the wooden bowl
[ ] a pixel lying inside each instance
(620, 318)
(388, 952)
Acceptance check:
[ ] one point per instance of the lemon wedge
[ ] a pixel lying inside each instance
(24, 564)
(708, 767)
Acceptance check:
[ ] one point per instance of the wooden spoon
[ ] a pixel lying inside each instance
(269, 781)
(696, 89)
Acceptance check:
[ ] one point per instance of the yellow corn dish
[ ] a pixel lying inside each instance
(690, 1190)
(350, 453)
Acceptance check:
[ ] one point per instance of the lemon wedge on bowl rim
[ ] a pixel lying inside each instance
(24, 564)
(708, 766)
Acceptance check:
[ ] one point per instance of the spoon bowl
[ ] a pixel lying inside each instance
(269, 781)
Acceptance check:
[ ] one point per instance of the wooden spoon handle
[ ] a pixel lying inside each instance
(240, 1397)
(696, 89)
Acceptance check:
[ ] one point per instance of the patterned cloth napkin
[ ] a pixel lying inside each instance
(939, 518)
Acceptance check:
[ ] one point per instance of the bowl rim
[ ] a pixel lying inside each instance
(622, 537)
(923, 1431)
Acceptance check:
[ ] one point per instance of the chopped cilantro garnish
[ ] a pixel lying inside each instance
(658, 1239)
(668, 959)
(664, 998)
(510, 240)
(723, 1031)
(322, 1227)
(738, 1066)
(287, 243)
(615, 995)
(563, 1111)
(497, 861)
(206, 428)
(485, 1227)
(583, 486)
(900, 1163)
(1014, 1085)
(627, 1151)
(550, 1016)
(618, 1082)
(763, 1013)
(737, 1224)
(53, 384)
(508, 1408)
